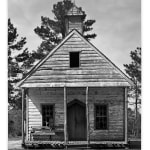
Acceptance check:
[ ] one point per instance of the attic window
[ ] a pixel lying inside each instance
(74, 59)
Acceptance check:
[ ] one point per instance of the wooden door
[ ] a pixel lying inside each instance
(76, 114)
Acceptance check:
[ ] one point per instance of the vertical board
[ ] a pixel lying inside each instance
(27, 116)
(65, 116)
(87, 115)
(126, 115)
(23, 99)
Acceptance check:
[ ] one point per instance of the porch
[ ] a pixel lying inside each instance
(67, 100)
(15, 144)
(75, 144)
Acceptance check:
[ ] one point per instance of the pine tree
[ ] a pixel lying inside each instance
(134, 71)
(53, 31)
(19, 59)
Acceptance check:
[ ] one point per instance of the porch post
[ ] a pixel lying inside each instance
(126, 115)
(87, 116)
(23, 97)
(27, 115)
(65, 116)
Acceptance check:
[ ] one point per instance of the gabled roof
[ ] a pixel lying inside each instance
(75, 11)
(125, 79)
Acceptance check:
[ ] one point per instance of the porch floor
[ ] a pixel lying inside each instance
(75, 142)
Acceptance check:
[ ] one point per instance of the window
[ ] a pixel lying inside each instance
(101, 117)
(74, 59)
(48, 115)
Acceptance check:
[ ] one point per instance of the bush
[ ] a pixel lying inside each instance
(14, 123)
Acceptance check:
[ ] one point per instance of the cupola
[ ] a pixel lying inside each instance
(74, 19)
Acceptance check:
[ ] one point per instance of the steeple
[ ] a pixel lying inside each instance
(74, 19)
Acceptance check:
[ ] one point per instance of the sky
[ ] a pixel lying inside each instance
(118, 24)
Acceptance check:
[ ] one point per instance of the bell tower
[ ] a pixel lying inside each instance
(74, 19)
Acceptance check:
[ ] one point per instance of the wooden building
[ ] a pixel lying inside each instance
(75, 93)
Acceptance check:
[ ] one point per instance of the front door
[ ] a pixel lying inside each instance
(76, 121)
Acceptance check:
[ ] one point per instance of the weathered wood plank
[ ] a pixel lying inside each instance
(38, 117)
(58, 80)
(75, 46)
(23, 101)
(90, 58)
(74, 42)
(85, 67)
(73, 72)
(87, 116)
(34, 120)
(126, 114)
(75, 39)
(35, 112)
(65, 50)
(82, 84)
(93, 61)
(65, 116)
(65, 56)
(82, 67)
(27, 116)
(77, 76)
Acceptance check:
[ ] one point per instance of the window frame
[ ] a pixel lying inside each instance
(107, 115)
(48, 104)
(70, 60)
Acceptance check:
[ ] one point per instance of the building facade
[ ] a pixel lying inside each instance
(75, 92)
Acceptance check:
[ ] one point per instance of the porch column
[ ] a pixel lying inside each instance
(87, 116)
(27, 115)
(65, 116)
(126, 115)
(23, 98)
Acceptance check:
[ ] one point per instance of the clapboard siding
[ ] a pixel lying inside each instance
(93, 66)
(73, 76)
(113, 97)
(72, 72)
(39, 96)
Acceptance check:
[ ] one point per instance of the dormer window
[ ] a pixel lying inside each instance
(74, 59)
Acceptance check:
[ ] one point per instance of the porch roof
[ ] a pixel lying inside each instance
(83, 84)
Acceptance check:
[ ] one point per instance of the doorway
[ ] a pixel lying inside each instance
(76, 121)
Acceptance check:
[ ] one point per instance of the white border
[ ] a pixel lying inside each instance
(3, 76)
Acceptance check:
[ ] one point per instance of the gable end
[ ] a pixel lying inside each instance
(95, 68)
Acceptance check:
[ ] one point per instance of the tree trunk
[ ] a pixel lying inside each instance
(136, 108)
(136, 100)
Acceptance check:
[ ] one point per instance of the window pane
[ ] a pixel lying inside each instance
(97, 123)
(48, 118)
(101, 117)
